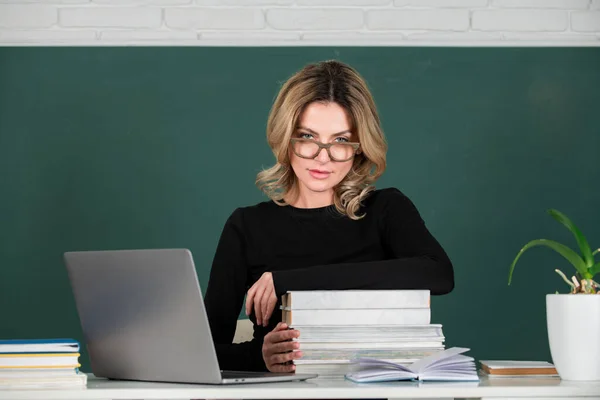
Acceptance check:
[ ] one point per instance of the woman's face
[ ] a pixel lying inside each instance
(325, 123)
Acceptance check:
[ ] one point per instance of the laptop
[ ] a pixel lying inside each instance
(143, 318)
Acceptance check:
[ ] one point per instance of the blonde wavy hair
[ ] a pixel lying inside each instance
(326, 81)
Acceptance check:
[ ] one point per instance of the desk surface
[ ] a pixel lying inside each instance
(318, 388)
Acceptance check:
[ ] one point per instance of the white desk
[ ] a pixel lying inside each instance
(521, 388)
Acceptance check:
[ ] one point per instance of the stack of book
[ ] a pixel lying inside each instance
(337, 327)
(40, 363)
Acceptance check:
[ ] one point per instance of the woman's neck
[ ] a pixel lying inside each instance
(309, 199)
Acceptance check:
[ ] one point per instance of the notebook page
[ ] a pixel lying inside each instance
(366, 362)
(378, 375)
(452, 363)
(422, 364)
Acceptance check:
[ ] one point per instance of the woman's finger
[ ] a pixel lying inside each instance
(266, 305)
(284, 335)
(257, 303)
(281, 358)
(271, 303)
(250, 299)
(283, 347)
(282, 368)
(272, 337)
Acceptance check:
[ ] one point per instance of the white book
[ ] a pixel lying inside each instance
(400, 341)
(510, 364)
(362, 333)
(352, 354)
(513, 376)
(517, 368)
(325, 370)
(39, 346)
(325, 362)
(33, 360)
(447, 365)
(368, 345)
(78, 381)
(23, 372)
(355, 299)
(383, 316)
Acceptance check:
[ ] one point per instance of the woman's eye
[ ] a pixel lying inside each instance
(303, 135)
(342, 139)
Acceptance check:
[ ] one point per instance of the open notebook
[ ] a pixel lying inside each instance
(447, 365)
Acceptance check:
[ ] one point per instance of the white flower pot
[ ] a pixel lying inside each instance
(573, 322)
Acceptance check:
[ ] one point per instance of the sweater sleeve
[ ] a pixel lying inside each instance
(224, 298)
(417, 260)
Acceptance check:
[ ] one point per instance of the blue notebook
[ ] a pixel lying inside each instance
(447, 365)
(39, 346)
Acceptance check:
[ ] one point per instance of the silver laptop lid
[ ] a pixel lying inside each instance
(142, 315)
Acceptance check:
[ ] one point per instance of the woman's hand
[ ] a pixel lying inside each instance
(279, 350)
(262, 296)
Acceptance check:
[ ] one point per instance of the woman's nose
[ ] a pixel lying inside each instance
(322, 156)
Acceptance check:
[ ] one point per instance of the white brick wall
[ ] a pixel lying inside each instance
(429, 20)
(527, 20)
(301, 22)
(200, 19)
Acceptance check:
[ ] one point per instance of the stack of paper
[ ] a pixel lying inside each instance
(337, 327)
(40, 363)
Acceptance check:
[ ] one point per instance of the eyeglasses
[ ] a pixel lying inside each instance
(306, 148)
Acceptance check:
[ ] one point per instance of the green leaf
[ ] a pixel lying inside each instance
(586, 251)
(595, 252)
(595, 269)
(563, 250)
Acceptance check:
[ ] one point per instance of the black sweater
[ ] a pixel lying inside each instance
(317, 248)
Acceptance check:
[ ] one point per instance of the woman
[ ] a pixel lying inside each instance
(325, 226)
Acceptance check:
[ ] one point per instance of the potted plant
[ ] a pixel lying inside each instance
(573, 319)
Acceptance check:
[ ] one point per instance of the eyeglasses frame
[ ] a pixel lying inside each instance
(326, 146)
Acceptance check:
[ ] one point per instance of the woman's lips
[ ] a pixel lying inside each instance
(319, 174)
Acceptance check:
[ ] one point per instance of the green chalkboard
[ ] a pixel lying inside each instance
(114, 148)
